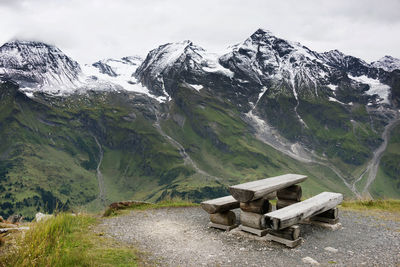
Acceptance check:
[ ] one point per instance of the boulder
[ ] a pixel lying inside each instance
(42, 217)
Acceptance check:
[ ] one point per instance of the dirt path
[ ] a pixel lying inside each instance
(180, 237)
(100, 178)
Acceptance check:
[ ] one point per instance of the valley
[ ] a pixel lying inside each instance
(184, 123)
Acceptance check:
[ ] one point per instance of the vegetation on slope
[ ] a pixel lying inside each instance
(49, 154)
(387, 183)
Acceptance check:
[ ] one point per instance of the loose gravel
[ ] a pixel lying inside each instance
(181, 237)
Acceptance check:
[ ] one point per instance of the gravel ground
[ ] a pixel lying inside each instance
(180, 237)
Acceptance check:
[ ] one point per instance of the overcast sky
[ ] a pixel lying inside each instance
(89, 30)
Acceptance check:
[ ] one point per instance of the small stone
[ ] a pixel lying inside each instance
(331, 249)
(16, 218)
(311, 261)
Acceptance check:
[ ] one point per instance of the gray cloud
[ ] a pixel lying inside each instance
(89, 30)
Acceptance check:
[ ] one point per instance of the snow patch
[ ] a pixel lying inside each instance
(213, 65)
(198, 87)
(375, 87)
(332, 99)
(332, 87)
(263, 90)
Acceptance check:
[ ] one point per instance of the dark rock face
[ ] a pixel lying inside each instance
(104, 68)
(33, 64)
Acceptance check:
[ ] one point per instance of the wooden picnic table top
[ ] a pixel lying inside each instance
(257, 189)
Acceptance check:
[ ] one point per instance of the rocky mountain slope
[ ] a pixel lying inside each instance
(185, 123)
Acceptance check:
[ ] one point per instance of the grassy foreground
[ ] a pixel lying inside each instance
(67, 240)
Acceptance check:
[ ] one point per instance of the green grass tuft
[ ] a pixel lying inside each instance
(67, 240)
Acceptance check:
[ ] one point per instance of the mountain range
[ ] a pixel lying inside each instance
(186, 123)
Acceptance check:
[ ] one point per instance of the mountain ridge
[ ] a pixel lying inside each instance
(186, 123)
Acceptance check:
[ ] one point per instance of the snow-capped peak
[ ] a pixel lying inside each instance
(387, 63)
(165, 56)
(38, 65)
(115, 74)
(264, 56)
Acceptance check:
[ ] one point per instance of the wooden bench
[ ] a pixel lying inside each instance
(256, 215)
(220, 204)
(221, 216)
(255, 190)
(282, 223)
(295, 213)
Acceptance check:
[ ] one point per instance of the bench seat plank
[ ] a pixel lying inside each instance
(297, 212)
(220, 204)
(257, 189)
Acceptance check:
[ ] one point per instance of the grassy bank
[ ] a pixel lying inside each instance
(67, 240)
(388, 205)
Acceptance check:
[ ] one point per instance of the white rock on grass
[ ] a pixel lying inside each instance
(311, 261)
(41, 216)
(331, 249)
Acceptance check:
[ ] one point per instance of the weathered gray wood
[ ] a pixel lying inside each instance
(251, 230)
(290, 233)
(270, 196)
(260, 206)
(282, 203)
(220, 204)
(253, 220)
(288, 243)
(254, 190)
(222, 227)
(293, 192)
(224, 218)
(331, 214)
(295, 213)
(325, 220)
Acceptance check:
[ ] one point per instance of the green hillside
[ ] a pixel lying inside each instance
(49, 154)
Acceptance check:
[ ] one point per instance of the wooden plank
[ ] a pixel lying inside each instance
(286, 242)
(290, 233)
(293, 192)
(324, 219)
(331, 214)
(259, 232)
(222, 227)
(252, 220)
(13, 229)
(257, 189)
(260, 206)
(295, 213)
(224, 218)
(220, 204)
(282, 203)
